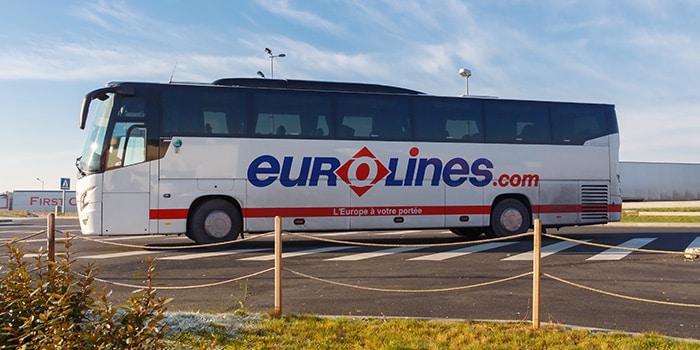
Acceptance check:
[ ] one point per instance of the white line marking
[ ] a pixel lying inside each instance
(369, 255)
(617, 254)
(695, 243)
(462, 251)
(396, 233)
(212, 254)
(546, 251)
(347, 233)
(295, 254)
(122, 254)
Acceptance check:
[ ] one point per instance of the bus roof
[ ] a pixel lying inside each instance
(314, 85)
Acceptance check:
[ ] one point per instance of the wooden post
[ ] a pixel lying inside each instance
(278, 266)
(537, 256)
(51, 236)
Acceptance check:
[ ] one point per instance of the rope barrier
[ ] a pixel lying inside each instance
(198, 246)
(600, 245)
(18, 239)
(214, 284)
(659, 302)
(70, 236)
(365, 244)
(437, 290)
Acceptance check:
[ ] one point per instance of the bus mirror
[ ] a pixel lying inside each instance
(101, 94)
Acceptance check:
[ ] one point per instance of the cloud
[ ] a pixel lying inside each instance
(114, 16)
(283, 9)
(72, 62)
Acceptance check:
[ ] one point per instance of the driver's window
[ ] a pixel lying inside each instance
(127, 145)
(135, 149)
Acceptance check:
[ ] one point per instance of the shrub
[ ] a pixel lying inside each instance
(46, 305)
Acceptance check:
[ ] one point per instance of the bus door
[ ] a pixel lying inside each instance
(127, 179)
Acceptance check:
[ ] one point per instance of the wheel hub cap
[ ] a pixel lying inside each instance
(511, 220)
(217, 224)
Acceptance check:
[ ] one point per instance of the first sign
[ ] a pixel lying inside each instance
(65, 183)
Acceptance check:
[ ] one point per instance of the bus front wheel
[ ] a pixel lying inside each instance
(509, 217)
(216, 220)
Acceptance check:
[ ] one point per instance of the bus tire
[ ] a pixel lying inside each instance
(509, 217)
(216, 220)
(468, 232)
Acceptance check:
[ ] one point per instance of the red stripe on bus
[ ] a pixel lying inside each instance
(175, 214)
(571, 208)
(556, 208)
(168, 214)
(364, 211)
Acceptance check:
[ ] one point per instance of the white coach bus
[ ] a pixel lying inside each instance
(214, 160)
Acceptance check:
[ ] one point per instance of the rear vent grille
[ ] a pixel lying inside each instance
(594, 202)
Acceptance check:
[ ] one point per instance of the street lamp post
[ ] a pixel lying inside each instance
(42, 183)
(466, 73)
(272, 58)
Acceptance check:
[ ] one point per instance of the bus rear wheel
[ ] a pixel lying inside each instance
(509, 217)
(216, 220)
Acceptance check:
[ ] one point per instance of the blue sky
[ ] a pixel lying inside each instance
(641, 55)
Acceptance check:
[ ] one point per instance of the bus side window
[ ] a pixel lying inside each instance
(322, 127)
(290, 114)
(314, 125)
(345, 131)
(182, 113)
(446, 119)
(374, 117)
(215, 123)
(517, 122)
(576, 124)
(355, 127)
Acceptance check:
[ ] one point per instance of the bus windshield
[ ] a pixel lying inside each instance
(89, 161)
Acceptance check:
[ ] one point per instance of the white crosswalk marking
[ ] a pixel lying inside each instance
(344, 233)
(293, 254)
(397, 233)
(546, 251)
(617, 254)
(369, 255)
(695, 243)
(121, 254)
(462, 251)
(212, 254)
(174, 255)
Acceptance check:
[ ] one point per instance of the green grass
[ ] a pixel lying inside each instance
(310, 332)
(14, 213)
(669, 219)
(632, 215)
(683, 210)
(25, 214)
